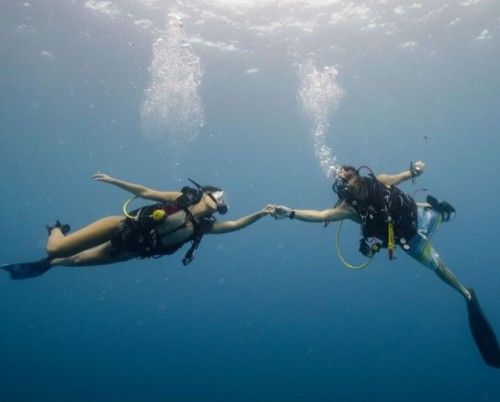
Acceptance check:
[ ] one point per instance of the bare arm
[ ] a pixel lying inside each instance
(137, 189)
(343, 211)
(395, 179)
(243, 222)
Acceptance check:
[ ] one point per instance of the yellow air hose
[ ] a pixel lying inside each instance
(157, 215)
(341, 258)
(125, 207)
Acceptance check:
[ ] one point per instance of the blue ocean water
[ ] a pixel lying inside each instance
(260, 98)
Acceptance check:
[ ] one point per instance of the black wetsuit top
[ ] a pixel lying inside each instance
(382, 205)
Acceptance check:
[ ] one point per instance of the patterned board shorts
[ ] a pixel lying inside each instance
(421, 248)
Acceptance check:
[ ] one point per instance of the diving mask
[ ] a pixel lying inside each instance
(340, 187)
(218, 198)
(215, 194)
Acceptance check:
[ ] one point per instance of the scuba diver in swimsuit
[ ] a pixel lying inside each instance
(155, 230)
(388, 218)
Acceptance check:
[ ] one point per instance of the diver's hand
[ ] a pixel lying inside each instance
(417, 169)
(282, 212)
(268, 209)
(103, 177)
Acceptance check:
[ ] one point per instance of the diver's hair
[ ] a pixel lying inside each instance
(350, 170)
(358, 187)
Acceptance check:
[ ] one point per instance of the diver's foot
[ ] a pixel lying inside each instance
(63, 227)
(445, 208)
(471, 294)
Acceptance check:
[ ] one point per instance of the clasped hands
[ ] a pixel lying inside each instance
(278, 211)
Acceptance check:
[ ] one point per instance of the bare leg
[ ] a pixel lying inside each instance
(100, 255)
(90, 236)
(449, 277)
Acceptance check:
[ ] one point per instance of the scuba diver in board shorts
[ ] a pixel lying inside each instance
(388, 218)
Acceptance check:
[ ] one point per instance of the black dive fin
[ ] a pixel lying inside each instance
(482, 332)
(27, 270)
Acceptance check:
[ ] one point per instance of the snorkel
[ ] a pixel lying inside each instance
(218, 200)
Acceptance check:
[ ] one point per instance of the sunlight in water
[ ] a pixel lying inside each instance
(319, 95)
(172, 109)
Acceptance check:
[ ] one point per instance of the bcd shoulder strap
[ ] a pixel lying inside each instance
(200, 229)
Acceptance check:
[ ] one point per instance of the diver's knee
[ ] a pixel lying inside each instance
(53, 251)
(440, 266)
